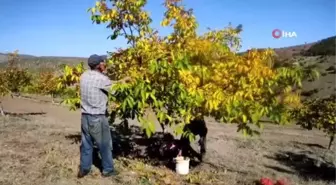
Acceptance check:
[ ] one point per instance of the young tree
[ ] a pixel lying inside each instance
(13, 78)
(47, 83)
(318, 113)
(68, 83)
(3, 90)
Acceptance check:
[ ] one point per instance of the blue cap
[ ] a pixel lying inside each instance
(95, 60)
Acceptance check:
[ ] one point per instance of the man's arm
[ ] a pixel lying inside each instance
(106, 84)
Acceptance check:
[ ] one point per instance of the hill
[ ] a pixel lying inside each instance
(291, 51)
(321, 54)
(324, 47)
(42, 62)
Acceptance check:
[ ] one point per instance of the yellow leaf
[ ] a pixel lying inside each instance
(244, 118)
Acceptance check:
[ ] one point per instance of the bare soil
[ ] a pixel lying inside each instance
(40, 145)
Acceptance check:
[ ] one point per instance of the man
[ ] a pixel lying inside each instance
(94, 88)
(198, 127)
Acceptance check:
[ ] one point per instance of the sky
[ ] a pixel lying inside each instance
(64, 27)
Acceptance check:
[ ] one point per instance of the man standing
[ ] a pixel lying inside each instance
(94, 88)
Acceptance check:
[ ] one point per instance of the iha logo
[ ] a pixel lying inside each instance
(277, 33)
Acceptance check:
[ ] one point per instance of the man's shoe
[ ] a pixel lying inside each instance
(111, 173)
(83, 173)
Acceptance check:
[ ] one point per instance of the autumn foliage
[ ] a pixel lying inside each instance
(68, 83)
(186, 75)
(13, 77)
(183, 75)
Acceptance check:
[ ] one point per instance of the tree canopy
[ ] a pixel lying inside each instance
(185, 74)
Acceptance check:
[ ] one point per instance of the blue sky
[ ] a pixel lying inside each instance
(64, 28)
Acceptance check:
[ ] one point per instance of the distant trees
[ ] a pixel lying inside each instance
(323, 47)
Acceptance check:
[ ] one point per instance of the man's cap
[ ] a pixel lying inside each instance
(95, 60)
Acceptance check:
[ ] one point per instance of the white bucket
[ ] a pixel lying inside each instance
(182, 165)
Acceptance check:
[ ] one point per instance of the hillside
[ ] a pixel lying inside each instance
(324, 47)
(320, 53)
(291, 51)
(325, 85)
(34, 62)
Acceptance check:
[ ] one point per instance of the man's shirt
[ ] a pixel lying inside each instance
(94, 87)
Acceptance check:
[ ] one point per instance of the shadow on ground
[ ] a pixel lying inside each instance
(304, 165)
(310, 145)
(132, 143)
(23, 115)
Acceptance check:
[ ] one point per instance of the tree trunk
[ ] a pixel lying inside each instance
(125, 126)
(1, 110)
(166, 121)
(162, 127)
(52, 98)
(331, 141)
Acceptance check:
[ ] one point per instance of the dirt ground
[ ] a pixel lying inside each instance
(40, 145)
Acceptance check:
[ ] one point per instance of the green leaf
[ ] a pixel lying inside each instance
(245, 132)
(143, 95)
(129, 103)
(255, 117)
(123, 106)
(148, 132)
(153, 96)
(151, 126)
(113, 36)
(160, 116)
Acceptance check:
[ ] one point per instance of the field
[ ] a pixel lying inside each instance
(40, 145)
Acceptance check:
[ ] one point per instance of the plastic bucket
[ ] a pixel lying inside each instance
(182, 165)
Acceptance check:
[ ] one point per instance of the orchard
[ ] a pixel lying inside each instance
(183, 76)
(182, 81)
